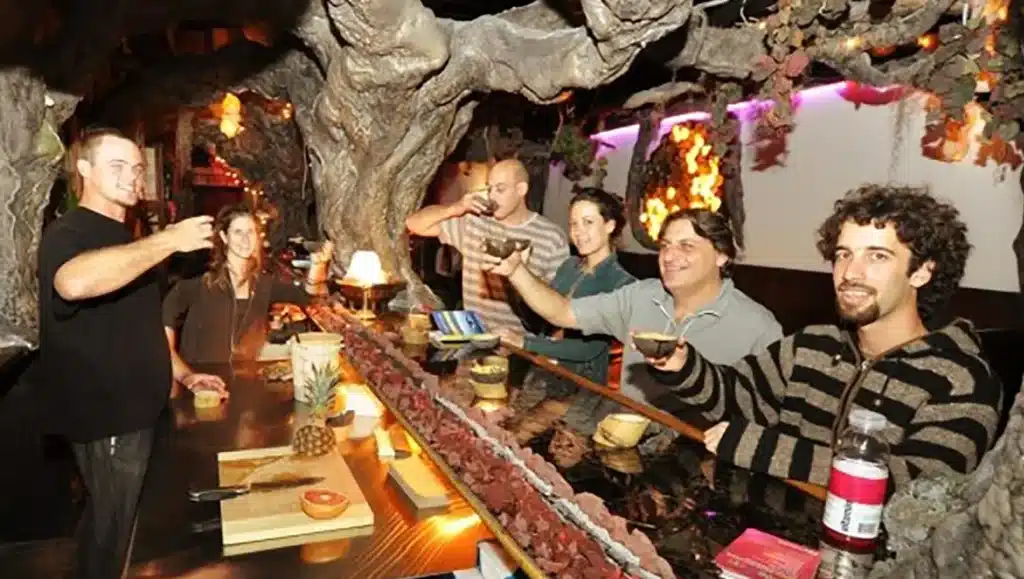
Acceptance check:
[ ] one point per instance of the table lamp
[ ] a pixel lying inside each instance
(365, 271)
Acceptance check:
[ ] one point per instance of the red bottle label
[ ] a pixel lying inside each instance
(856, 496)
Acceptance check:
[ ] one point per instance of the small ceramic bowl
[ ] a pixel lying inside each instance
(654, 344)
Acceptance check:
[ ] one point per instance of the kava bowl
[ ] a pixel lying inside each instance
(654, 344)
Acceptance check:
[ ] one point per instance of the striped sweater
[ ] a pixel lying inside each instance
(491, 296)
(787, 405)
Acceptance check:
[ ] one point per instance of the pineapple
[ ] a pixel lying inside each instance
(316, 438)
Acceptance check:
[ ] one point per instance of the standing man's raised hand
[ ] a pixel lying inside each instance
(192, 234)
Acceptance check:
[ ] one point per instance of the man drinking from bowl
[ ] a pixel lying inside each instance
(500, 214)
(693, 298)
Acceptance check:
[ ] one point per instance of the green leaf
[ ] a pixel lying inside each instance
(995, 64)
(971, 67)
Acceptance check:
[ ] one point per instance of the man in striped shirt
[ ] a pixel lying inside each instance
(465, 225)
(897, 256)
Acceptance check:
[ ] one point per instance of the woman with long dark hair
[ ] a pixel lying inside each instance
(223, 313)
(596, 219)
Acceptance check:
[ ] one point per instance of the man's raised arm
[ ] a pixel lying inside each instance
(103, 271)
(427, 221)
(538, 295)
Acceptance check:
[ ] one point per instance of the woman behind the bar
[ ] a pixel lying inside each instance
(596, 219)
(223, 313)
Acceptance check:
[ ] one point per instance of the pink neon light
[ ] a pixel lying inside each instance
(620, 135)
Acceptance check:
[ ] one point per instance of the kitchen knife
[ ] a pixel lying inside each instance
(230, 492)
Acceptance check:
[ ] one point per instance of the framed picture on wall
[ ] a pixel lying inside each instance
(154, 174)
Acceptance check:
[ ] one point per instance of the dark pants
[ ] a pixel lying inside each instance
(113, 469)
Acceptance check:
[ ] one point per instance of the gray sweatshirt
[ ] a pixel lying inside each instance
(729, 328)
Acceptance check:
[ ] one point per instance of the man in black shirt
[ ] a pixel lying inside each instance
(105, 367)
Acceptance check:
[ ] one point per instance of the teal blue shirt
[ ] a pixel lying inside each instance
(587, 356)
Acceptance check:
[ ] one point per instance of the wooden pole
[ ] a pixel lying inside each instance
(687, 430)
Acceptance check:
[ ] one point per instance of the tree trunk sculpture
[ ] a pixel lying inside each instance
(400, 88)
(962, 525)
(30, 156)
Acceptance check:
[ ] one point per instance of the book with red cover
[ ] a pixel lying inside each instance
(758, 555)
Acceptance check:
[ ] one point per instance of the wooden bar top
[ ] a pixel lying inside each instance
(404, 541)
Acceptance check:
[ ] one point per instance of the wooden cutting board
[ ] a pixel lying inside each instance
(278, 514)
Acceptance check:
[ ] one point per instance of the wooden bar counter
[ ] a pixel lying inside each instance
(171, 540)
(688, 504)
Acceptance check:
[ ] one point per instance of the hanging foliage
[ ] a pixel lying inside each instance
(575, 150)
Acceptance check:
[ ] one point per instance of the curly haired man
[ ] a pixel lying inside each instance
(897, 256)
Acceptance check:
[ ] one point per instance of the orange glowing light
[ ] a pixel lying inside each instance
(451, 525)
(696, 182)
(990, 44)
(928, 41)
(230, 116)
(996, 11)
(954, 141)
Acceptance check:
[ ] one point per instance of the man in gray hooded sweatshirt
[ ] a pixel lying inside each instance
(693, 299)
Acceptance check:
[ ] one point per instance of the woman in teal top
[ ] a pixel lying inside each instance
(596, 218)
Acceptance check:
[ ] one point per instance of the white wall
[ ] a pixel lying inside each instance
(833, 148)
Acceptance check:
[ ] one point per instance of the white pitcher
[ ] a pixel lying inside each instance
(312, 349)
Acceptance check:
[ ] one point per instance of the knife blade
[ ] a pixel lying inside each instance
(230, 492)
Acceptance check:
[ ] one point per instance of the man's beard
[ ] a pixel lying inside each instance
(859, 317)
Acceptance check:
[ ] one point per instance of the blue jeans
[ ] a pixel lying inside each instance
(113, 469)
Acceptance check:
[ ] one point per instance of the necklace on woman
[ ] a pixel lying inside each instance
(236, 326)
(240, 284)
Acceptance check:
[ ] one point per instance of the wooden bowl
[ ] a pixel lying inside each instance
(485, 341)
(414, 336)
(500, 248)
(490, 370)
(377, 294)
(624, 460)
(419, 321)
(521, 244)
(655, 344)
(490, 206)
(621, 430)
(487, 391)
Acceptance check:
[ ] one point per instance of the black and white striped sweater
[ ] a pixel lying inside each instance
(787, 405)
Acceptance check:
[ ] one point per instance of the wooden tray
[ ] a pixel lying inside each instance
(275, 515)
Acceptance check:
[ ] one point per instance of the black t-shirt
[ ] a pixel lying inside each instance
(104, 367)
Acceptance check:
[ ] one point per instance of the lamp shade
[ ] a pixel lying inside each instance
(365, 269)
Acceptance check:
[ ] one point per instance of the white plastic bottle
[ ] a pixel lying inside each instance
(858, 483)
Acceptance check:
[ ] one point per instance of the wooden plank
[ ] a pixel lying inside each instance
(423, 488)
(296, 540)
(269, 516)
(687, 430)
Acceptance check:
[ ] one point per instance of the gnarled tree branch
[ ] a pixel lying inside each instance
(853, 62)
(524, 51)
